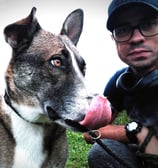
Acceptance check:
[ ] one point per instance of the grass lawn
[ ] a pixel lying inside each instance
(78, 151)
(78, 148)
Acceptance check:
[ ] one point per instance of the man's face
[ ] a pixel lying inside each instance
(139, 52)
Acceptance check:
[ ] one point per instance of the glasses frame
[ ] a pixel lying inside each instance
(138, 27)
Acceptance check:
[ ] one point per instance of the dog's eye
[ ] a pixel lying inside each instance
(56, 62)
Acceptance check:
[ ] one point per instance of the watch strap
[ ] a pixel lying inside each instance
(131, 137)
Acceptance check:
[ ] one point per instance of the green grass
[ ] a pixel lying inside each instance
(122, 118)
(78, 151)
(78, 148)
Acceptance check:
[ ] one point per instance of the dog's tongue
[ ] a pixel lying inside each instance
(98, 114)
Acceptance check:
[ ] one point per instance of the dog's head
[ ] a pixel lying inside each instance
(45, 77)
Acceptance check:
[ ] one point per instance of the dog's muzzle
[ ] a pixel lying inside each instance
(53, 115)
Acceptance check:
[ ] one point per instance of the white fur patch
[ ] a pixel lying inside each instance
(74, 62)
(29, 143)
(30, 113)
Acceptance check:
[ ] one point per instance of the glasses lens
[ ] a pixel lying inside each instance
(122, 33)
(149, 28)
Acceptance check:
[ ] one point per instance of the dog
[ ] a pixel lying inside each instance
(45, 93)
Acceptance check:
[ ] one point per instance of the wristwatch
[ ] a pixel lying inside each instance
(132, 128)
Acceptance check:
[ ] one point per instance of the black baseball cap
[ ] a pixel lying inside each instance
(116, 5)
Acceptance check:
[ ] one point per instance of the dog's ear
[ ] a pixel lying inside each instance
(72, 27)
(22, 31)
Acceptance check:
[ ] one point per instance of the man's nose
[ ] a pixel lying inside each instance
(137, 36)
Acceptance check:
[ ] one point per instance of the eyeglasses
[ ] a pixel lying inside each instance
(147, 28)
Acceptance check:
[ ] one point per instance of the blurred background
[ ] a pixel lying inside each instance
(95, 44)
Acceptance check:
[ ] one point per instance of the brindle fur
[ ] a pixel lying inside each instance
(45, 93)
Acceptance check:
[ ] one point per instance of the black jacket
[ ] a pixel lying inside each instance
(139, 97)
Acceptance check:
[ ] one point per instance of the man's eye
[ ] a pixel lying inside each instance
(148, 25)
(56, 62)
(122, 30)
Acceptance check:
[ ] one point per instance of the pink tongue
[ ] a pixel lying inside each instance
(98, 114)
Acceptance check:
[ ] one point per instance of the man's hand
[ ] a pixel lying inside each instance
(115, 132)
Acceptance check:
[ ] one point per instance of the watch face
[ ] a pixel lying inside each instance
(132, 126)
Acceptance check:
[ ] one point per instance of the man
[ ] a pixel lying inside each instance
(134, 28)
